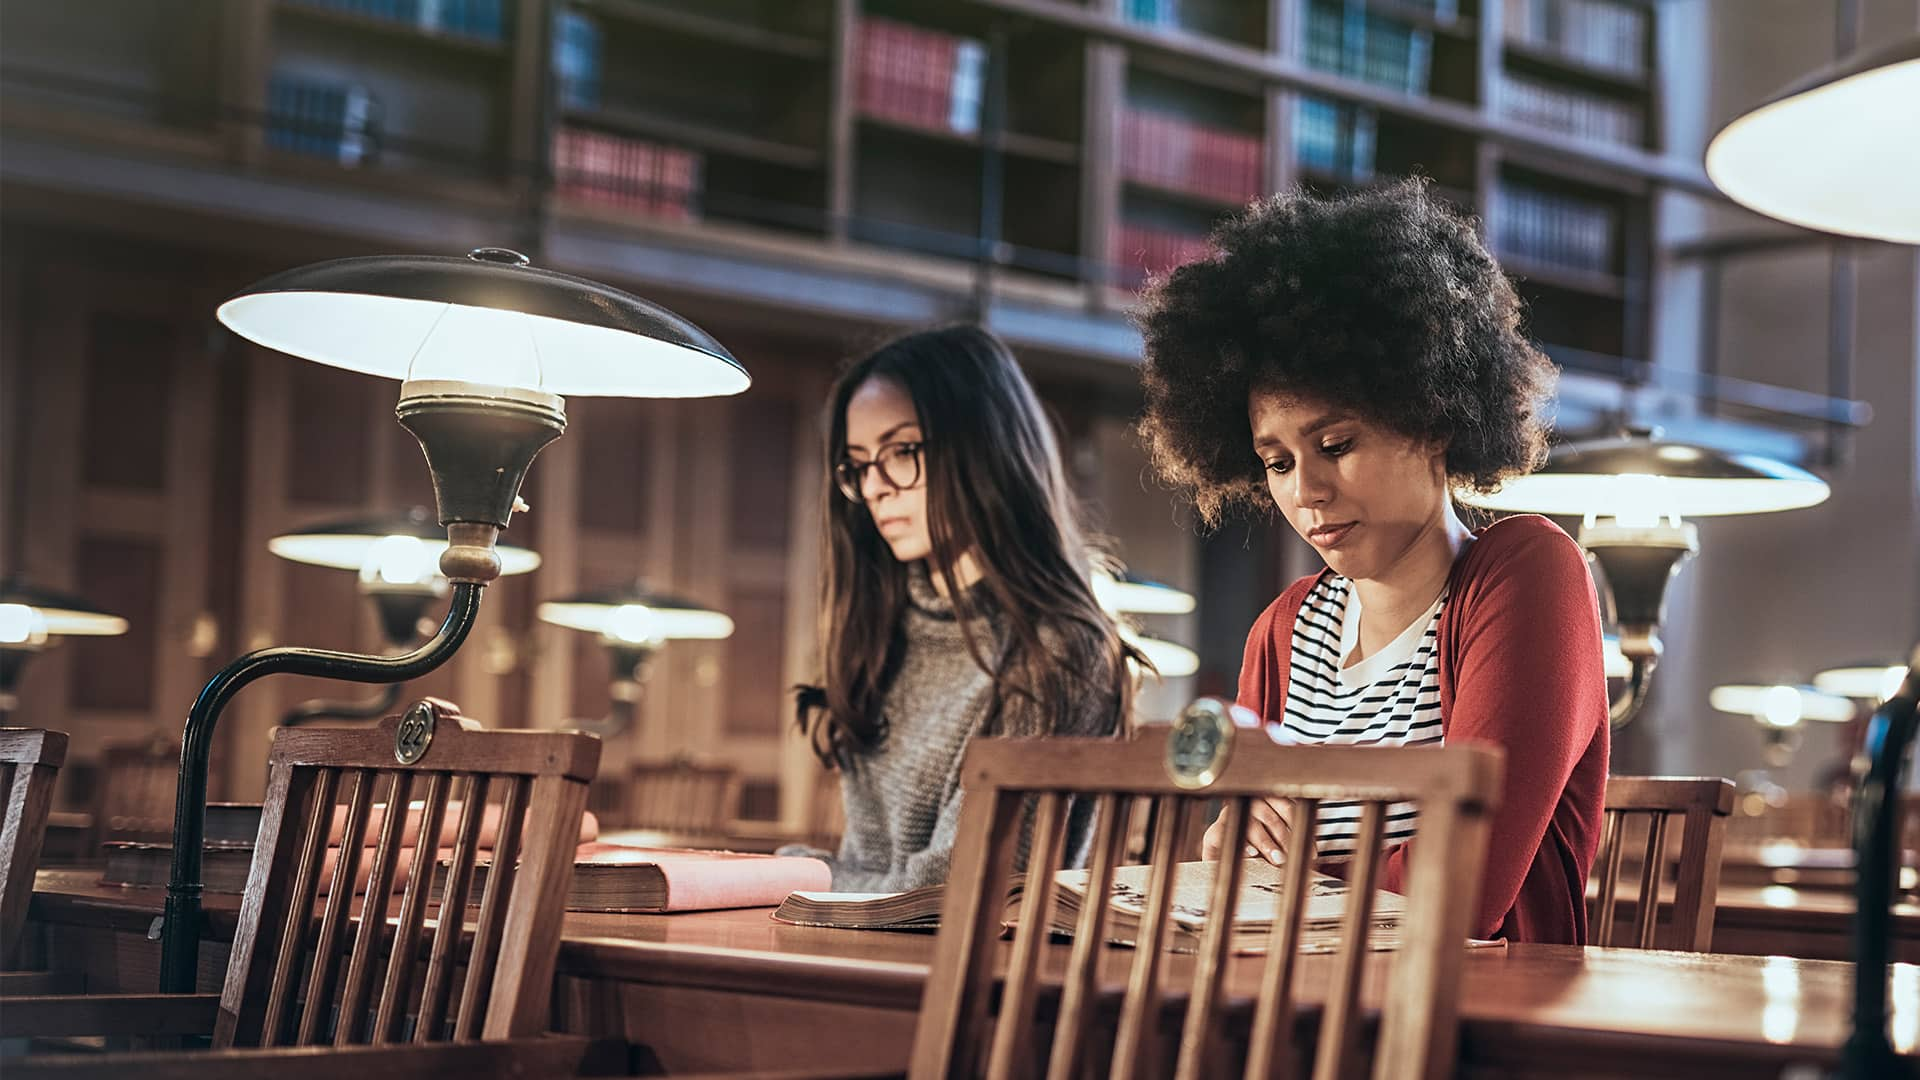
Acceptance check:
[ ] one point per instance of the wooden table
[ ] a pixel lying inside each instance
(1779, 920)
(733, 989)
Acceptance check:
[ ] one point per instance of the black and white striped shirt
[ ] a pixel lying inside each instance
(1391, 698)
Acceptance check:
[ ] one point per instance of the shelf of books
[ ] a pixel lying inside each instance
(773, 114)
(920, 76)
(692, 111)
(413, 85)
(1241, 22)
(1579, 67)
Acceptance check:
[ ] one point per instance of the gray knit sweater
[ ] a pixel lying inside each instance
(903, 797)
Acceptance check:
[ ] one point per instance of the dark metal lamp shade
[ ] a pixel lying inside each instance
(1838, 151)
(488, 319)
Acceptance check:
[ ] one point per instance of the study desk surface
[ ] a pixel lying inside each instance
(1524, 1008)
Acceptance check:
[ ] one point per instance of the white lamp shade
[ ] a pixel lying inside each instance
(385, 546)
(1644, 478)
(635, 615)
(1173, 661)
(29, 614)
(1875, 684)
(1780, 706)
(1839, 152)
(1139, 596)
(487, 319)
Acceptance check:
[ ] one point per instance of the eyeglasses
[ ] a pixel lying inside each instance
(899, 465)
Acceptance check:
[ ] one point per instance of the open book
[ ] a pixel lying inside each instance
(1258, 904)
(1254, 909)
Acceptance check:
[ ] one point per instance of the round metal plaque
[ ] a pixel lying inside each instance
(1200, 743)
(415, 734)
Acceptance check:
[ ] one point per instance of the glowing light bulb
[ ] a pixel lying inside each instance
(400, 560)
(21, 625)
(479, 345)
(1780, 707)
(632, 623)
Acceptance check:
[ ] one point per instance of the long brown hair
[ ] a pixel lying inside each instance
(995, 490)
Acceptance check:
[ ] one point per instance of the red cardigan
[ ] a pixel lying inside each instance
(1520, 668)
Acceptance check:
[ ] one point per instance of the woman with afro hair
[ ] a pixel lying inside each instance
(1353, 361)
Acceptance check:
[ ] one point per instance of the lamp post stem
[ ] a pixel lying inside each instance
(180, 940)
(1889, 734)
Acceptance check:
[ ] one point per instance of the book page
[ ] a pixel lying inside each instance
(1257, 905)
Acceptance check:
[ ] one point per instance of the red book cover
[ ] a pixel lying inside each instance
(614, 877)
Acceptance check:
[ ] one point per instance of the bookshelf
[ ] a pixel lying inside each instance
(1130, 126)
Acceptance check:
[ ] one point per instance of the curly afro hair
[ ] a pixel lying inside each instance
(1381, 301)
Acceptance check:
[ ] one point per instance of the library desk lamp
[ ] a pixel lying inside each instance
(1781, 711)
(1631, 492)
(485, 346)
(30, 618)
(1836, 151)
(633, 622)
(397, 559)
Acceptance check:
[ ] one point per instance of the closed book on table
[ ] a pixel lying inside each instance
(618, 878)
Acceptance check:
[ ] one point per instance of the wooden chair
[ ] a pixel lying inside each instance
(134, 792)
(684, 796)
(30, 761)
(1702, 804)
(295, 983)
(1011, 781)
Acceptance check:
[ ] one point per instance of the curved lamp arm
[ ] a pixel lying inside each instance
(180, 942)
(1868, 1053)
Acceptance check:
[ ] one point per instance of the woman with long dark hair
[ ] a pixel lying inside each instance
(957, 599)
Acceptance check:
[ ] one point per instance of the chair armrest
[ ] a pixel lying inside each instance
(66, 1016)
(499, 1059)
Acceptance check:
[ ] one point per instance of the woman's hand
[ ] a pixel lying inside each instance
(1269, 832)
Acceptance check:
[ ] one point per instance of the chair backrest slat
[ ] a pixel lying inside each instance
(1337, 1028)
(30, 761)
(446, 932)
(373, 910)
(1454, 789)
(1010, 1047)
(1196, 1038)
(1702, 806)
(405, 952)
(367, 812)
(1140, 1011)
(1273, 1013)
(306, 890)
(487, 936)
(1110, 841)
